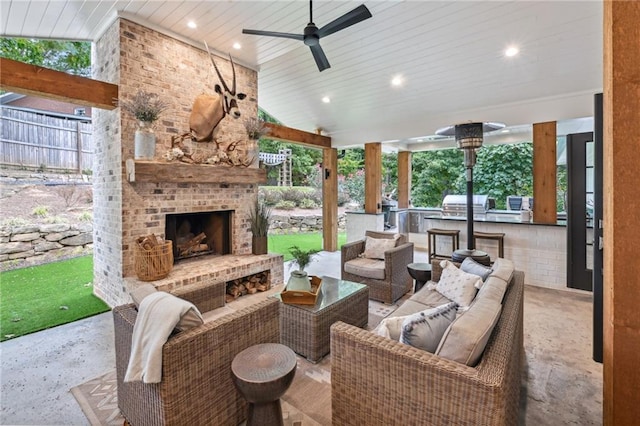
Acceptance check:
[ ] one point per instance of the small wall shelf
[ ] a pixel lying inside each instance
(156, 171)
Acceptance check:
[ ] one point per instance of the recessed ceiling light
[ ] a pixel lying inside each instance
(397, 81)
(237, 46)
(191, 24)
(326, 99)
(505, 131)
(511, 51)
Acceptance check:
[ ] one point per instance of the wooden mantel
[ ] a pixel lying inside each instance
(159, 171)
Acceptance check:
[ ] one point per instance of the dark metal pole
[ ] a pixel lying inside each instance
(470, 244)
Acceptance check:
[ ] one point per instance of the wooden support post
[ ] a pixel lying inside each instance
(330, 199)
(373, 178)
(404, 179)
(621, 289)
(544, 173)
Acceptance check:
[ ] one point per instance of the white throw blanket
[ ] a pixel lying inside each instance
(158, 315)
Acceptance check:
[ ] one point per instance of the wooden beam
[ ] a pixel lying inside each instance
(330, 199)
(154, 171)
(404, 179)
(373, 178)
(544, 172)
(287, 134)
(621, 287)
(46, 83)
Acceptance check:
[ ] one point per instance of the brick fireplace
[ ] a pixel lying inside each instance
(136, 198)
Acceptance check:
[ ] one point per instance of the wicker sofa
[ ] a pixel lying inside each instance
(388, 280)
(196, 386)
(379, 381)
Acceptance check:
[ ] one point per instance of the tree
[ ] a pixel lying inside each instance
(434, 175)
(73, 57)
(503, 170)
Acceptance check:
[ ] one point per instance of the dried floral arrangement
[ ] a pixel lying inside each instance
(144, 106)
(255, 128)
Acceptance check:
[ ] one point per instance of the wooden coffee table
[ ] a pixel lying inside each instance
(305, 328)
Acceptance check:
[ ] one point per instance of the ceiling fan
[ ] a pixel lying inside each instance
(313, 34)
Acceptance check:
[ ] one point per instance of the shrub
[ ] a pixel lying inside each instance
(69, 193)
(286, 205)
(343, 198)
(55, 219)
(270, 197)
(308, 203)
(293, 194)
(14, 221)
(40, 211)
(85, 217)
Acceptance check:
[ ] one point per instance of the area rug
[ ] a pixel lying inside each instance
(311, 389)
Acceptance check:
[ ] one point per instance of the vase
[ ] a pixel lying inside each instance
(299, 281)
(259, 244)
(145, 142)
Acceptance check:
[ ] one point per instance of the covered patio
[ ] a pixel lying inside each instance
(277, 77)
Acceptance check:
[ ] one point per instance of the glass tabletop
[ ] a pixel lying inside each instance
(332, 290)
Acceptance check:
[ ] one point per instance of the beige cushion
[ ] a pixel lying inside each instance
(429, 298)
(374, 248)
(192, 318)
(493, 289)
(503, 269)
(368, 268)
(141, 292)
(456, 285)
(424, 329)
(465, 340)
(390, 327)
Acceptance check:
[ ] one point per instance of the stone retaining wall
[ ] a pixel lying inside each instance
(28, 245)
(293, 224)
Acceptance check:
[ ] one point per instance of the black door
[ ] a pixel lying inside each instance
(580, 207)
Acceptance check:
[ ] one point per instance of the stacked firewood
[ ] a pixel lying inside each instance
(247, 285)
(193, 245)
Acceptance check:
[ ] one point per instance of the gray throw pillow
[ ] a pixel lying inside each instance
(470, 266)
(425, 329)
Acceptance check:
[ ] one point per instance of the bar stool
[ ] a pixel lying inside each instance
(432, 233)
(494, 236)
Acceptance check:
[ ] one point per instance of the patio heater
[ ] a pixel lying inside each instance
(469, 137)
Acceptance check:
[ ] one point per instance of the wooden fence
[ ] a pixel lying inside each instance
(33, 139)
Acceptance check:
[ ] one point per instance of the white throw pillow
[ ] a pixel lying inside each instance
(374, 248)
(456, 285)
(425, 329)
(391, 328)
(472, 267)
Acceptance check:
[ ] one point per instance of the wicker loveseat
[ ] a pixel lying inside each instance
(379, 381)
(196, 386)
(388, 279)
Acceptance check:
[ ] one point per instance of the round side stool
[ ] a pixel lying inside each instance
(262, 374)
(421, 272)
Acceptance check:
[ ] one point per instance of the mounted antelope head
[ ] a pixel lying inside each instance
(209, 110)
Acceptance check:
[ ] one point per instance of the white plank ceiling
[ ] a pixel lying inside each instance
(448, 53)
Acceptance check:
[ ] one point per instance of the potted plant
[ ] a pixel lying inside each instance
(299, 280)
(259, 216)
(146, 108)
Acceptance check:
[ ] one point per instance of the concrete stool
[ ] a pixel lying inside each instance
(432, 233)
(262, 374)
(421, 272)
(495, 236)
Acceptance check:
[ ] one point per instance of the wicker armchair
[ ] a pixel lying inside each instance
(396, 281)
(378, 381)
(196, 385)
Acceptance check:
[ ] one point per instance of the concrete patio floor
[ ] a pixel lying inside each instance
(564, 384)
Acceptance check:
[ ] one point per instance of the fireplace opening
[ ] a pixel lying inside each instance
(199, 234)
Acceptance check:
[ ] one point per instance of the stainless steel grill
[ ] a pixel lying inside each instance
(456, 205)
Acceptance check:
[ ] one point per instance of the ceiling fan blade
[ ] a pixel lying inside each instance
(320, 57)
(274, 34)
(358, 14)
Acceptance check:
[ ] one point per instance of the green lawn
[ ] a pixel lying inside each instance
(280, 244)
(40, 297)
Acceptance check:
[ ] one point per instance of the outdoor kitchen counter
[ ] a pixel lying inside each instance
(540, 250)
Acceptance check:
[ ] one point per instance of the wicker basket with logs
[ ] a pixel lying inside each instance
(153, 258)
